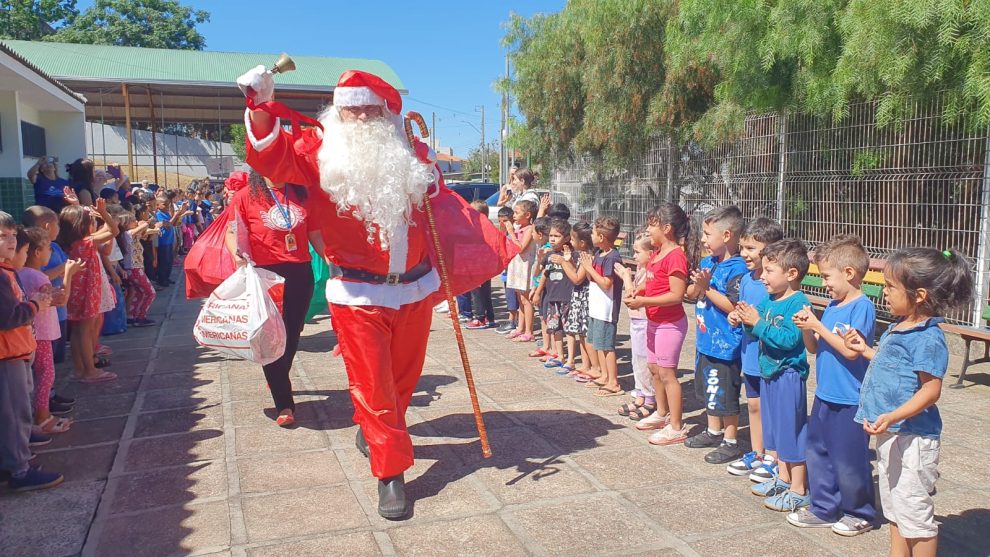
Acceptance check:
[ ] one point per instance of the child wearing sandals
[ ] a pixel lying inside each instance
(644, 401)
(541, 229)
(663, 298)
(553, 294)
(576, 324)
(604, 299)
(520, 271)
(79, 236)
(33, 251)
(902, 384)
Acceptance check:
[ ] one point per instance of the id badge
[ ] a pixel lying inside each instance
(290, 242)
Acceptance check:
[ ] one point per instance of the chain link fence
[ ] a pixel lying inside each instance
(917, 181)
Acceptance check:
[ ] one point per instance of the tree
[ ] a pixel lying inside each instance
(238, 133)
(145, 23)
(30, 20)
(474, 164)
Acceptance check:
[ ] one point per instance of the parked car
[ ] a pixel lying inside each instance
(472, 191)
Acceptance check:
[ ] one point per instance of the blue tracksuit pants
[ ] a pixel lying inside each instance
(840, 477)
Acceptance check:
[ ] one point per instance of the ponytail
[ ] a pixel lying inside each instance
(947, 277)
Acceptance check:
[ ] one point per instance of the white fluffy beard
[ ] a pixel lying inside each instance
(369, 168)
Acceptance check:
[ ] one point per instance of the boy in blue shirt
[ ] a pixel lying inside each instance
(784, 367)
(760, 233)
(717, 378)
(839, 473)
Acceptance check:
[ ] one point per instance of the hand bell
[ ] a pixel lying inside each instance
(283, 64)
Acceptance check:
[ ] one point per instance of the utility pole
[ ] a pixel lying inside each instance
(433, 133)
(484, 149)
(503, 160)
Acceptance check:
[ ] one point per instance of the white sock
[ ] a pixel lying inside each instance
(714, 432)
(730, 441)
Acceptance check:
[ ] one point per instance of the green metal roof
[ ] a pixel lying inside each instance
(158, 65)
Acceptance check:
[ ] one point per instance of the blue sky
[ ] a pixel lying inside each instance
(448, 53)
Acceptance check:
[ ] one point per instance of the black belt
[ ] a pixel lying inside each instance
(412, 275)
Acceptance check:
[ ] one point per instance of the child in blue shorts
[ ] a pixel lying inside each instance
(902, 384)
(784, 368)
(840, 477)
(759, 233)
(718, 368)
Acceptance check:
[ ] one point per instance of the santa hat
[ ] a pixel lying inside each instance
(236, 180)
(358, 88)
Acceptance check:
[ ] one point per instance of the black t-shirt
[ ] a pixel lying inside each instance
(558, 287)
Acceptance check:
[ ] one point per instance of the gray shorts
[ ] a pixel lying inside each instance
(601, 334)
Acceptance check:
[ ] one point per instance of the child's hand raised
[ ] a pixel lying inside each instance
(805, 319)
(73, 266)
(701, 278)
(623, 272)
(747, 314)
(568, 253)
(544, 203)
(854, 341)
(734, 318)
(70, 195)
(586, 260)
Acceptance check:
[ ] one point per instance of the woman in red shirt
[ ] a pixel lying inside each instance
(278, 229)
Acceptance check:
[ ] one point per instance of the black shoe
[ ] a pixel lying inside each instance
(58, 409)
(392, 498)
(361, 443)
(39, 440)
(62, 399)
(705, 439)
(724, 454)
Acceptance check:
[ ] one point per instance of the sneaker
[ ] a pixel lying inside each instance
(746, 464)
(705, 439)
(130, 321)
(726, 452)
(39, 440)
(143, 322)
(35, 478)
(851, 526)
(506, 328)
(766, 471)
(59, 409)
(653, 421)
(804, 518)
(776, 486)
(668, 435)
(787, 501)
(464, 318)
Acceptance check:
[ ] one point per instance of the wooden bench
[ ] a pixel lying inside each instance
(969, 335)
(872, 286)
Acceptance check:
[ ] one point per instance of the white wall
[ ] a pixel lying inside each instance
(10, 135)
(65, 136)
(176, 154)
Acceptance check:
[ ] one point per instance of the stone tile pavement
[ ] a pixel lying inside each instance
(181, 457)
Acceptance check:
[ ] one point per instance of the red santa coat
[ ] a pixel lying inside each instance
(474, 249)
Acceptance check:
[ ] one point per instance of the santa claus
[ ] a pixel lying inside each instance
(373, 182)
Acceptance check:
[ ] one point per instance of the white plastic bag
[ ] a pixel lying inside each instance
(241, 319)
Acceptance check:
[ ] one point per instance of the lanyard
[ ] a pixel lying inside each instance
(284, 210)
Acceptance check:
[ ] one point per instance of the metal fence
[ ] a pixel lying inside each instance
(917, 181)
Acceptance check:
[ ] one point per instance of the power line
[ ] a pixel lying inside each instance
(443, 107)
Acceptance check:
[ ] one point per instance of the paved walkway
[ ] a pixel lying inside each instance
(180, 456)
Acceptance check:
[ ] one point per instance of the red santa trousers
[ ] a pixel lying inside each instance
(383, 352)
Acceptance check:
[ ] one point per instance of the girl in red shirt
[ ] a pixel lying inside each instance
(663, 295)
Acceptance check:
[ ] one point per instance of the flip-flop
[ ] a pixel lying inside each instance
(538, 353)
(285, 420)
(603, 392)
(60, 425)
(552, 363)
(594, 384)
(102, 377)
(627, 409)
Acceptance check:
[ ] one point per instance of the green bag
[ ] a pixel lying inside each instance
(321, 273)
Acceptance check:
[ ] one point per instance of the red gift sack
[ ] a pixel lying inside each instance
(208, 262)
(473, 249)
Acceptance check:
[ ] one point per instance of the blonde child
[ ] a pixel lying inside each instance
(33, 252)
(662, 296)
(902, 384)
(576, 325)
(521, 267)
(644, 395)
(79, 236)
